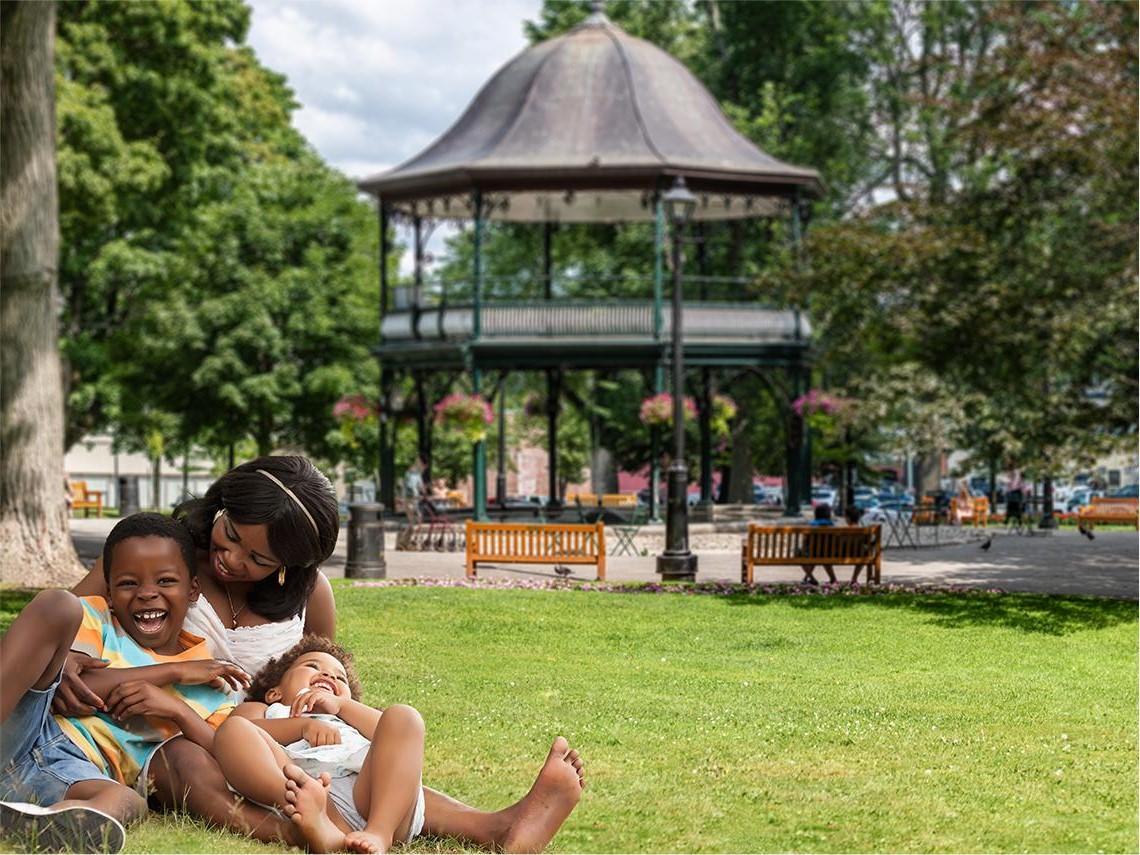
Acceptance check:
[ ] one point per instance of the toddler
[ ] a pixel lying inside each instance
(348, 775)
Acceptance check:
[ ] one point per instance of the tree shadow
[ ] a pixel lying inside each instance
(1042, 614)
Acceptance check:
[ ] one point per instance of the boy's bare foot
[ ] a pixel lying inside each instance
(306, 798)
(364, 841)
(554, 795)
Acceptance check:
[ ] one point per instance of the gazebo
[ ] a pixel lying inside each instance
(590, 127)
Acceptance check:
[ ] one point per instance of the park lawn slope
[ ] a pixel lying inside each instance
(963, 722)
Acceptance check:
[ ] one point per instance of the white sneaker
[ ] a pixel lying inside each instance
(68, 829)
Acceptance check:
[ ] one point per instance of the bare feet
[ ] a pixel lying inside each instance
(306, 798)
(554, 795)
(364, 841)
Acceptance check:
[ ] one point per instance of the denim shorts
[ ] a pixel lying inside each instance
(37, 760)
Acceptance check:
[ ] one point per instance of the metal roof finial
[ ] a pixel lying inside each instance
(597, 13)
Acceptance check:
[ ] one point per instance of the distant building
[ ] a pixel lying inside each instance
(92, 460)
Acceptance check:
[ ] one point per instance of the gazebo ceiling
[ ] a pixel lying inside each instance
(584, 128)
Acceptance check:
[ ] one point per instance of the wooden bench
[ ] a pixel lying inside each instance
(1105, 509)
(536, 543)
(85, 500)
(976, 510)
(798, 545)
(619, 500)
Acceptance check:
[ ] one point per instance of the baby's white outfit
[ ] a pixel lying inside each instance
(343, 763)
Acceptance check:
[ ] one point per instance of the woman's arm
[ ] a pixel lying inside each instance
(320, 611)
(93, 584)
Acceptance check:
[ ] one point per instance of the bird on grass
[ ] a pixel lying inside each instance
(985, 547)
(561, 570)
(1087, 532)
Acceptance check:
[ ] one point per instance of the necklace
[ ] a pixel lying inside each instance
(233, 614)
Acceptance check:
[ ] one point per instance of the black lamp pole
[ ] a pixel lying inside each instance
(677, 562)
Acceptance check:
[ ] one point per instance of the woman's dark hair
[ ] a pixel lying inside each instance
(823, 511)
(149, 525)
(250, 498)
(270, 675)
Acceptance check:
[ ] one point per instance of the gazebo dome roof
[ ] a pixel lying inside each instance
(585, 127)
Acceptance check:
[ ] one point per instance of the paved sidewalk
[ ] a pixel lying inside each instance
(1059, 563)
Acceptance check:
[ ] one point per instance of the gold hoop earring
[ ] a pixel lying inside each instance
(281, 576)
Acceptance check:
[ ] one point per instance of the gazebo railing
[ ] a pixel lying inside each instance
(596, 319)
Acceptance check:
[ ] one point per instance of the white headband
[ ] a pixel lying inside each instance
(293, 496)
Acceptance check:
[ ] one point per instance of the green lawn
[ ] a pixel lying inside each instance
(894, 722)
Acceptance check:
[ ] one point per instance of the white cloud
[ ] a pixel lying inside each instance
(378, 81)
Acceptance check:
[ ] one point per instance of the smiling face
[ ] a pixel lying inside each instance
(151, 588)
(310, 672)
(240, 553)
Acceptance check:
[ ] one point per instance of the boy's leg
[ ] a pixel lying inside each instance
(389, 784)
(34, 648)
(184, 776)
(110, 797)
(830, 573)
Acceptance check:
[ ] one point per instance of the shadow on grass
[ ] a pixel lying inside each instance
(1036, 613)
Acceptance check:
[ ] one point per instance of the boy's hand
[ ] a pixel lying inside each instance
(74, 697)
(225, 676)
(320, 733)
(318, 701)
(138, 697)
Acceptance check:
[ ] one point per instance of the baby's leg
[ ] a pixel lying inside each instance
(33, 650)
(388, 787)
(251, 760)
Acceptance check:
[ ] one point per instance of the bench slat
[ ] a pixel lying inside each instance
(536, 543)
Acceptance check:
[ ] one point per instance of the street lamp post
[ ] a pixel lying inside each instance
(677, 562)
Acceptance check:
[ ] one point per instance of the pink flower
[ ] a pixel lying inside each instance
(355, 407)
(657, 411)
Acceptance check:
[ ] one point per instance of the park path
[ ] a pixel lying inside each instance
(1059, 563)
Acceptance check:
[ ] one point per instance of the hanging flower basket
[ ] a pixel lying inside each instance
(823, 411)
(468, 414)
(355, 408)
(724, 410)
(657, 411)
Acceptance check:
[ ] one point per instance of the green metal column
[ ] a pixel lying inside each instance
(386, 476)
(480, 451)
(658, 369)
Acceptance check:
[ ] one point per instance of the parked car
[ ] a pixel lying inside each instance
(1128, 491)
(769, 496)
(1079, 497)
(822, 495)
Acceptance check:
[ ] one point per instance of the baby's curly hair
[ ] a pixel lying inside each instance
(275, 669)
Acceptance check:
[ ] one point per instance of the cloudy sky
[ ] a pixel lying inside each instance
(380, 79)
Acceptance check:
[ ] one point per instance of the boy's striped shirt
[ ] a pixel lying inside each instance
(121, 749)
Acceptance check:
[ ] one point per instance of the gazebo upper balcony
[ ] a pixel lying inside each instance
(717, 313)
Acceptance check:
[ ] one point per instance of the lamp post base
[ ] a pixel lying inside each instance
(681, 567)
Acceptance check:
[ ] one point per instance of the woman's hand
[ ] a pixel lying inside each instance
(318, 733)
(138, 697)
(74, 697)
(225, 676)
(315, 701)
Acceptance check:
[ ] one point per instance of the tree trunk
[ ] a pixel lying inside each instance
(35, 544)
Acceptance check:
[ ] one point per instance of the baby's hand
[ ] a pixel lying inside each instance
(318, 733)
(317, 701)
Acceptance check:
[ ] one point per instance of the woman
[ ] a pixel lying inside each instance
(262, 530)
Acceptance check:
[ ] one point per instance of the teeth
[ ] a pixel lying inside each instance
(150, 615)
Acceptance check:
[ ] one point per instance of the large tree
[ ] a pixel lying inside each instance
(35, 547)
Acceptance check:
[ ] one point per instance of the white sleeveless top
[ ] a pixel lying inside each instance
(249, 647)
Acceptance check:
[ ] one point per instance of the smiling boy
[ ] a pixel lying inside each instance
(160, 681)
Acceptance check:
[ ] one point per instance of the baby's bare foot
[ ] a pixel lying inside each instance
(306, 798)
(554, 795)
(365, 841)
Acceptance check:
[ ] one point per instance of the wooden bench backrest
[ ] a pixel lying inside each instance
(567, 543)
(619, 500)
(590, 499)
(79, 491)
(820, 544)
(1109, 501)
